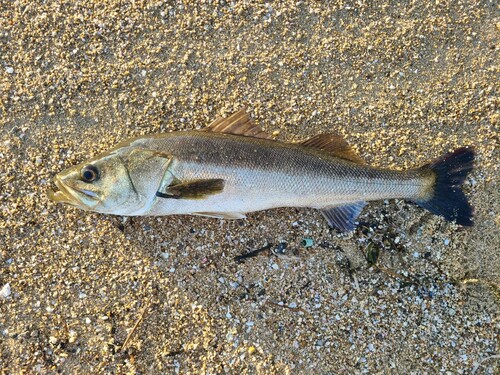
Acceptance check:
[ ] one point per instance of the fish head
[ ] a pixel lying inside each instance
(100, 185)
(122, 181)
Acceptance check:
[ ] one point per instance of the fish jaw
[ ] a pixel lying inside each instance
(73, 194)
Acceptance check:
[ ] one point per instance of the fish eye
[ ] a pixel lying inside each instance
(89, 173)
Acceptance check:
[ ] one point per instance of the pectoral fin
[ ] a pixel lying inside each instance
(197, 189)
(343, 217)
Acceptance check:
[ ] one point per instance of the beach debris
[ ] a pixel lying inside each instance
(372, 253)
(251, 254)
(307, 242)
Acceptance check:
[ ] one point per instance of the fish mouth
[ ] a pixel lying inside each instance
(71, 193)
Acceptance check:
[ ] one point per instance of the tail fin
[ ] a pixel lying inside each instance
(447, 198)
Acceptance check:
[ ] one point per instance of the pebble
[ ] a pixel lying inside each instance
(5, 291)
(234, 284)
(72, 336)
(9, 70)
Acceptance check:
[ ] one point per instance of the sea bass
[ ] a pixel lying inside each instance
(233, 167)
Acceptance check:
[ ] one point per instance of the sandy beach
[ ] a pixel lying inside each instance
(405, 293)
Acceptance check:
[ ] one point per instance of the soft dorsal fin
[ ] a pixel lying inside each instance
(335, 145)
(238, 123)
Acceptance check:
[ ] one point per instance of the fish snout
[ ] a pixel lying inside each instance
(72, 193)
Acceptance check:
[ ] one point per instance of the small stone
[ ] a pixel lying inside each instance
(9, 70)
(446, 242)
(87, 320)
(251, 350)
(5, 291)
(234, 284)
(275, 266)
(292, 305)
(72, 336)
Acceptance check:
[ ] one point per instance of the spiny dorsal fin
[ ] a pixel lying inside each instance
(335, 145)
(196, 189)
(238, 123)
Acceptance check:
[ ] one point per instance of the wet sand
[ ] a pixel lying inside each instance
(404, 83)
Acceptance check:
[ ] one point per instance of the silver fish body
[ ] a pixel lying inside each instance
(262, 174)
(233, 168)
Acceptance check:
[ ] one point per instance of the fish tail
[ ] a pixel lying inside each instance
(444, 195)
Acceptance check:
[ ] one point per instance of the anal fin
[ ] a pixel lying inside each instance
(343, 217)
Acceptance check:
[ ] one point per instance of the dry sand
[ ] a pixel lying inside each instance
(403, 81)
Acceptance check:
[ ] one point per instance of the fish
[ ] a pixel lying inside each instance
(233, 167)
